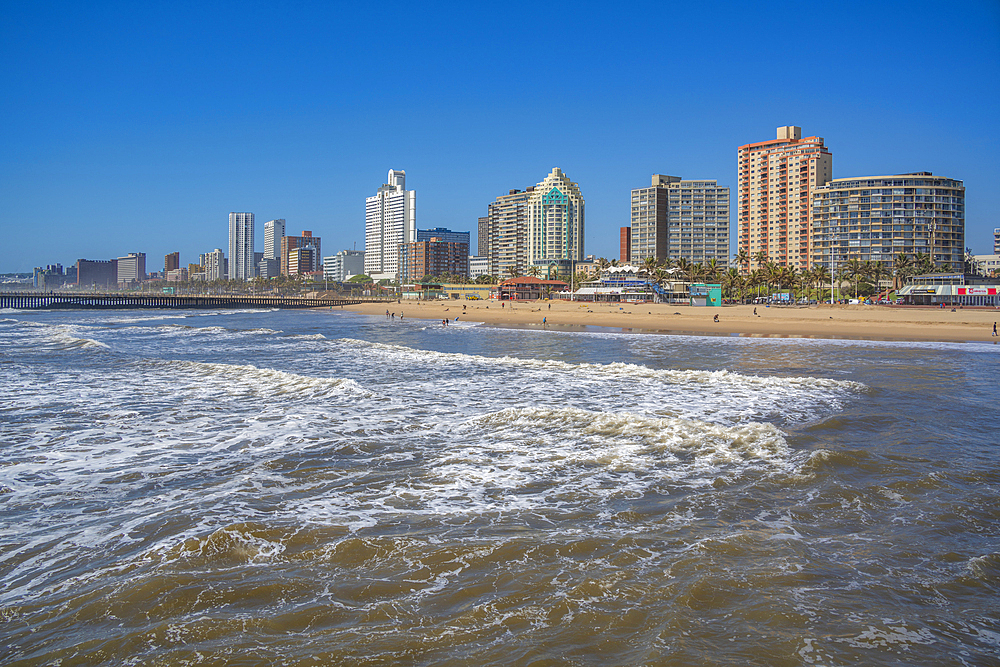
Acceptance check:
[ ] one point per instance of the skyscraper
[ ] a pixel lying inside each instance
(273, 231)
(171, 261)
(215, 264)
(390, 221)
(506, 249)
(241, 259)
(555, 220)
(776, 180)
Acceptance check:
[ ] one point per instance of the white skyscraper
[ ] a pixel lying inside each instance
(273, 231)
(241, 264)
(390, 221)
(555, 220)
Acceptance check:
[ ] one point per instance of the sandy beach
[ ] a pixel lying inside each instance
(817, 321)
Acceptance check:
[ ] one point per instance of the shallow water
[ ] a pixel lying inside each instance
(322, 487)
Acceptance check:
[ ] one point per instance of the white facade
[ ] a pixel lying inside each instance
(478, 266)
(214, 264)
(132, 268)
(343, 265)
(390, 221)
(555, 219)
(241, 259)
(273, 231)
(996, 241)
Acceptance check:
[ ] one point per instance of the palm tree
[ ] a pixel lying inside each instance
(923, 262)
(760, 257)
(732, 282)
(712, 270)
(821, 276)
(534, 271)
(902, 268)
(512, 271)
(855, 270)
(649, 264)
(742, 258)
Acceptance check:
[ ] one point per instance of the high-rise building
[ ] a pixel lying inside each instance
(96, 272)
(625, 245)
(241, 258)
(507, 249)
(433, 257)
(776, 180)
(171, 261)
(301, 260)
(483, 233)
(215, 264)
(273, 231)
(676, 218)
(131, 268)
(996, 240)
(390, 221)
(555, 220)
(478, 266)
(877, 217)
(343, 265)
(291, 243)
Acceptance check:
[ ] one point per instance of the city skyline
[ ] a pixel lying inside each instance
(125, 137)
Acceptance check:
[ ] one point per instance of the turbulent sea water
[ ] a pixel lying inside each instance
(327, 488)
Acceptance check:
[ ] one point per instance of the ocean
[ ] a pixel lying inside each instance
(330, 488)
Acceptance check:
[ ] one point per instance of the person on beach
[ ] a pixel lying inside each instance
(716, 318)
(755, 311)
(387, 313)
(543, 323)
(994, 328)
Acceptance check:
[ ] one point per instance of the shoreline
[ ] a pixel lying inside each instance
(822, 321)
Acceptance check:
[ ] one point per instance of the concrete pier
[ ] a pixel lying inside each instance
(112, 300)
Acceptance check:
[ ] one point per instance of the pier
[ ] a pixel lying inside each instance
(117, 300)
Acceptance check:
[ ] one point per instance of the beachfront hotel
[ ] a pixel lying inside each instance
(674, 218)
(877, 217)
(774, 193)
(241, 256)
(555, 221)
(390, 221)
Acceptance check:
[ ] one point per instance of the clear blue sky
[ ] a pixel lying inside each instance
(140, 126)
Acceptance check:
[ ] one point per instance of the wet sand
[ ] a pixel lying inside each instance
(817, 321)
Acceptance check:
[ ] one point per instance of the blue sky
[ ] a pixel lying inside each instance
(139, 126)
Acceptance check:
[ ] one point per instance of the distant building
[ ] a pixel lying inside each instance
(273, 231)
(776, 182)
(433, 257)
(290, 244)
(443, 234)
(269, 268)
(987, 265)
(176, 275)
(625, 244)
(241, 255)
(171, 262)
(301, 260)
(478, 266)
(131, 269)
(50, 278)
(877, 217)
(343, 265)
(96, 273)
(215, 265)
(483, 236)
(390, 222)
(555, 220)
(507, 233)
(996, 241)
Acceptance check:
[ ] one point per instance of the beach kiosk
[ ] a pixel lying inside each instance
(702, 294)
